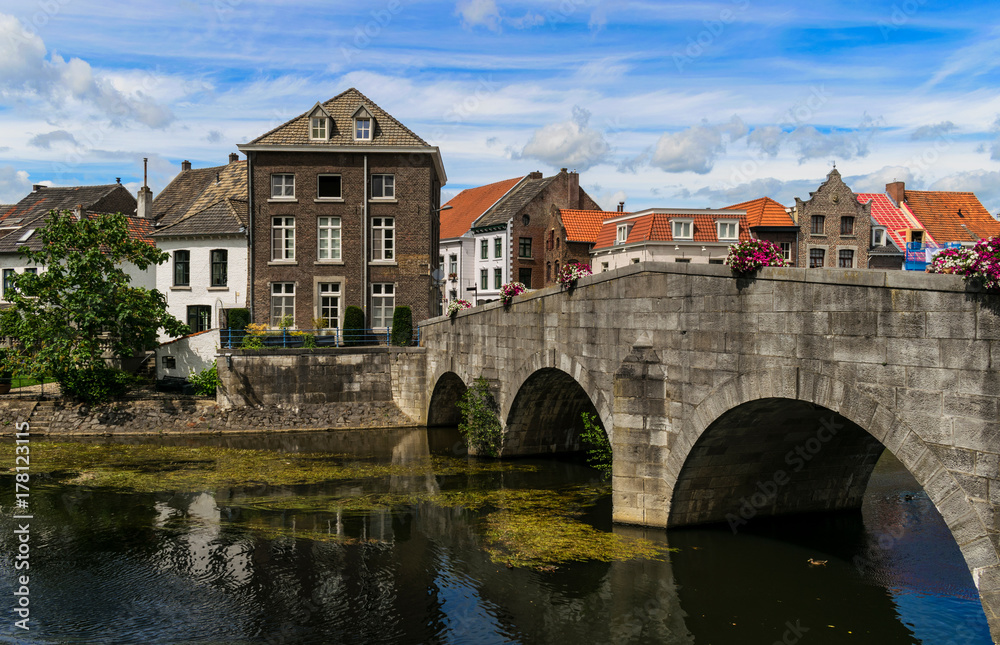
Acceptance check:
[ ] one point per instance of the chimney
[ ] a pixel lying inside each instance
(144, 203)
(37, 187)
(535, 175)
(573, 190)
(233, 157)
(621, 207)
(185, 165)
(897, 191)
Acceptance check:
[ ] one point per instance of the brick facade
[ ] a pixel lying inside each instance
(833, 201)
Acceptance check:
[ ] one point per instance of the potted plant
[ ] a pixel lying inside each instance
(509, 290)
(571, 272)
(453, 277)
(750, 255)
(456, 306)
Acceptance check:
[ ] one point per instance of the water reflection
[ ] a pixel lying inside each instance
(209, 567)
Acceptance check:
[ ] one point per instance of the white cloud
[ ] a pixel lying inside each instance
(46, 140)
(479, 13)
(572, 144)
(609, 201)
(26, 74)
(783, 192)
(767, 139)
(984, 183)
(934, 131)
(696, 148)
(813, 144)
(874, 182)
(14, 184)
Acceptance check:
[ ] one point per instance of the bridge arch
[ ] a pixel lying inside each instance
(868, 426)
(442, 410)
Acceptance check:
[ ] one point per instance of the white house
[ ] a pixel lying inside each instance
(201, 222)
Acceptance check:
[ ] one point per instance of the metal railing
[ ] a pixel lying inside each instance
(335, 337)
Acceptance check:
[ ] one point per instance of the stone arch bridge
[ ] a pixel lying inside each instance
(726, 399)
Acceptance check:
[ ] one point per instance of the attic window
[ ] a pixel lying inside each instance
(622, 235)
(318, 127)
(27, 234)
(681, 229)
(728, 229)
(362, 129)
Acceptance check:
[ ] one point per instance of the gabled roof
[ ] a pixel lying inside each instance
(513, 202)
(470, 204)
(886, 214)
(764, 211)
(583, 225)
(951, 216)
(200, 207)
(654, 226)
(342, 108)
(30, 213)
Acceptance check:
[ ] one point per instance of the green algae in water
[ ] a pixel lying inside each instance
(535, 528)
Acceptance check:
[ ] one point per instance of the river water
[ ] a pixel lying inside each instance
(260, 562)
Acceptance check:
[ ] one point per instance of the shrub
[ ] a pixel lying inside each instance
(750, 255)
(402, 326)
(255, 336)
(205, 382)
(354, 326)
(238, 318)
(598, 446)
(480, 424)
(95, 385)
(286, 321)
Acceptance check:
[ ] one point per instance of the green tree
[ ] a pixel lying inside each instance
(480, 419)
(598, 447)
(82, 304)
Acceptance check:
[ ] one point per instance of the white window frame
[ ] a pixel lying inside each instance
(387, 187)
(679, 226)
(285, 291)
(453, 264)
(725, 226)
(328, 232)
(329, 290)
(878, 236)
(363, 126)
(786, 250)
(340, 195)
(383, 239)
(319, 127)
(285, 232)
(383, 292)
(283, 185)
(621, 234)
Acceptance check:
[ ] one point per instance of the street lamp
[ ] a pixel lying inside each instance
(475, 296)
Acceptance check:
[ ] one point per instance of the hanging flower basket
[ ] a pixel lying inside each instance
(570, 273)
(750, 255)
(456, 306)
(509, 290)
(981, 263)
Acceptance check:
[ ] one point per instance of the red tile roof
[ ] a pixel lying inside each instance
(471, 203)
(894, 219)
(952, 216)
(584, 226)
(764, 211)
(655, 227)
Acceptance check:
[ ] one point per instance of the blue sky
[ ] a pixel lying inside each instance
(656, 103)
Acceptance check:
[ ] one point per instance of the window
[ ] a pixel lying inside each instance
(170, 362)
(220, 268)
(716, 261)
(845, 259)
(728, 230)
(524, 247)
(604, 267)
(282, 302)
(818, 225)
(681, 260)
(635, 260)
(282, 186)
(363, 129)
(498, 247)
(453, 265)
(681, 229)
(917, 236)
(383, 186)
(847, 226)
(524, 277)
(786, 250)
(31, 270)
(878, 237)
(622, 234)
(484, 279)
(548, 271)
(283, 238)
(199, 317)
(383, 303)
(8, 282)
(497, 278)
(484, 250)
(182, 268)
(816, 258)
(329, 238)
(383, 229)
(317, 127)
(329, 304)
(328, 187)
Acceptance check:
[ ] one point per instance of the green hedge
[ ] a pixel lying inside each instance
(238, 318)
(354, 325)
(402, 326)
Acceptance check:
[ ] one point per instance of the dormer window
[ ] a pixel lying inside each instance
(622, 235)
(318, 128)
(363, 129)
(682, 229)
(728, 230)
(878, 237)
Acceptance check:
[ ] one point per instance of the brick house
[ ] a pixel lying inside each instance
(769, 220)
(834, 227)
(572, 234)
(946, 216)
(343, 203)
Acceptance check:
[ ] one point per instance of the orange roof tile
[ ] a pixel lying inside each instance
(584, 226)
(468, 205)
(655, 227)
(888, 215)
(952, 216)
(764, 211)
